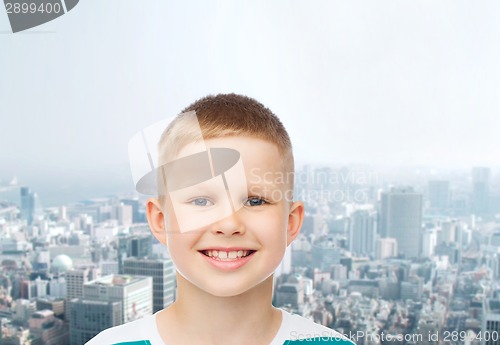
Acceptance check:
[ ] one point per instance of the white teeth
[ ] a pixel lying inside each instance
(226, 256)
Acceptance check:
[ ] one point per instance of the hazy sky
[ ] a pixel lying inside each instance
(385, 82)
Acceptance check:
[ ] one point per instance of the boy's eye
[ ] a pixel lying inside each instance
(255, 202)
(201, 202)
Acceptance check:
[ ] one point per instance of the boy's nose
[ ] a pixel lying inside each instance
(230, 225)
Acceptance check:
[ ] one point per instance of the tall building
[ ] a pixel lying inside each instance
(138, 246)
(28, 289)
(362, 231)
(56, 305)
(490, 323)
(134, 292)
(289, 294)
(41, 286)
(480, 190)
(23, 310)
(163, 273)
(386, 248)
(439, 194)
(58, 287)
(76, 278)
(134, 203)
(448, 232)
(123, 213)
(45, 326)
(28, 204)
(429, 241)
(301, 252)
(401, 218)
(89, 317)
(451, 250)
(120, 211)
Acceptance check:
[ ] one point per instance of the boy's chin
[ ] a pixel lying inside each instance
(235, 289)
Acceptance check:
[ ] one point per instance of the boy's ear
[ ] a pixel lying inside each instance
(156, 220)
(295, 219)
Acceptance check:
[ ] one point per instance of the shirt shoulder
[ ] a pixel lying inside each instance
(296, 329)
(139, 332)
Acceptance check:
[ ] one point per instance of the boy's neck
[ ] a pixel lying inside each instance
(221, 320)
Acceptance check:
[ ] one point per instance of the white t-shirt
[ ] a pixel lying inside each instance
(293, 329)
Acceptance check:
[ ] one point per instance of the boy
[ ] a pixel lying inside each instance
(225, 211)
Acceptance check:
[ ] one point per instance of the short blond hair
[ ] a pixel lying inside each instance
(226, 115)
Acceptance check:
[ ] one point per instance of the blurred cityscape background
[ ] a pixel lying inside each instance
(391, 252)
(385, 258)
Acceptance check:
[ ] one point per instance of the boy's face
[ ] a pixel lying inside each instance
(242, 229)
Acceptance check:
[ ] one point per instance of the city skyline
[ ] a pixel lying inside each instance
(54, 192)
(412, 263)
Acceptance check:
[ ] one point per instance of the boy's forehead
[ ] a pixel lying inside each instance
(261, 167)
(255, 152)
(191, 148)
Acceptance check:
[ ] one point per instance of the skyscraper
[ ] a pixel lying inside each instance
(138, 246)
(401, 218)
(76, 278)
(480, 190)
(386, 248)
(490, 321)
(89, 317)
(28, 204)
(123, 213)
(163, 273)
(439, 194)
(429, 241)
(362, 231)
(448, 232)
(134, 292)
(134, 202)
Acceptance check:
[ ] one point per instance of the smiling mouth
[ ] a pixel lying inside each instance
(221, 255)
